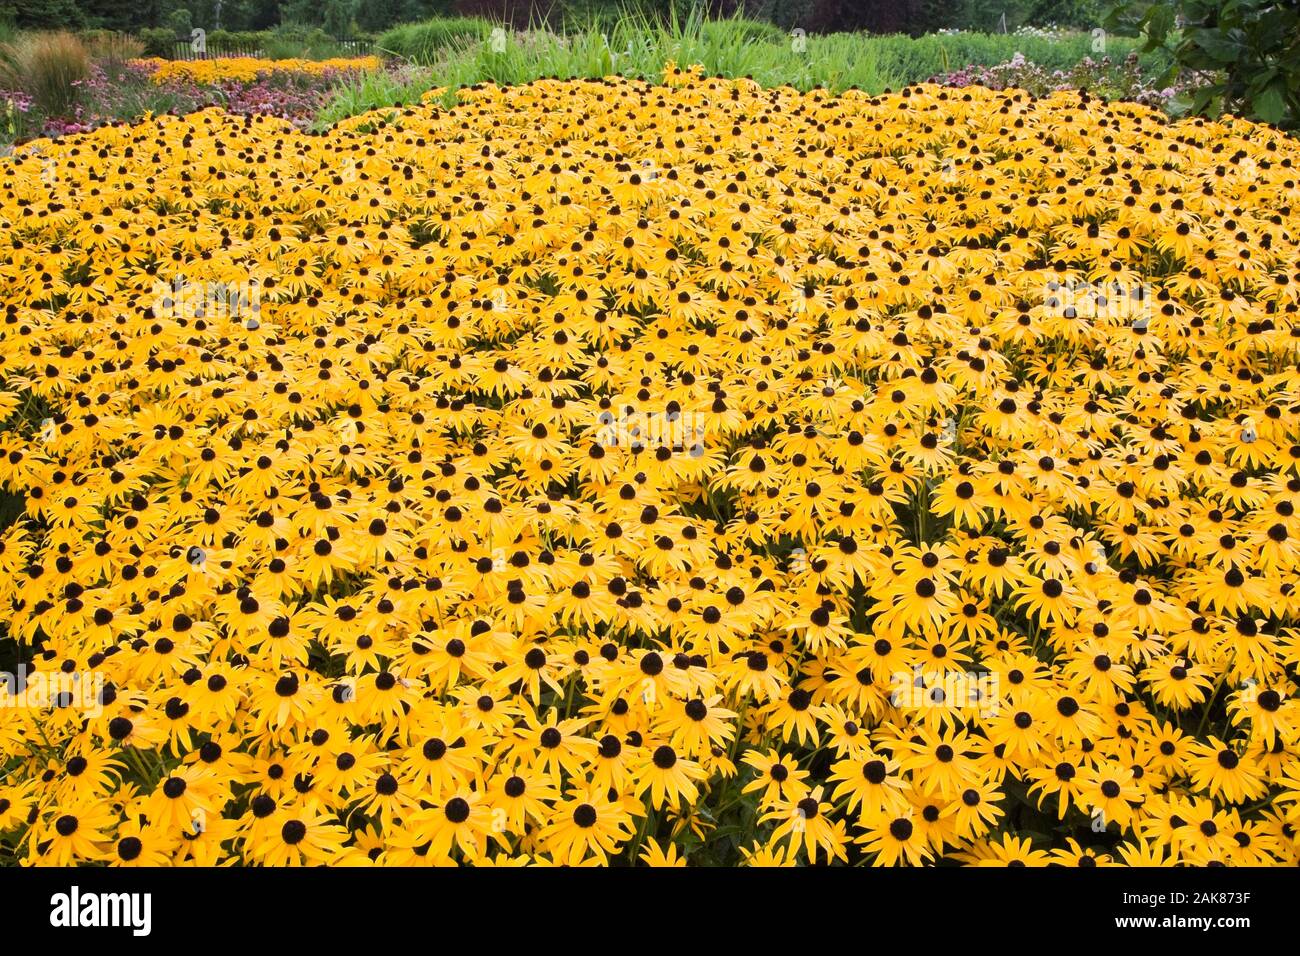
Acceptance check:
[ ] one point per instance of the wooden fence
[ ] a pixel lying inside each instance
(184, 49)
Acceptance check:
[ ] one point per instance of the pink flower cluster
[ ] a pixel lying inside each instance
(1107, 78)
(295, 97)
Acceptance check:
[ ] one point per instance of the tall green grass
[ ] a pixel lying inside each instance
(423, 43)
(460, 52)
(367, 91)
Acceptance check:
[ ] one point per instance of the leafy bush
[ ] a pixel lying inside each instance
(157, 41)
(1252, 45)
(47, 67)
(234, 41)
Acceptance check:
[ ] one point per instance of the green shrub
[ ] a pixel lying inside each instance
(234, 41)
(157, 41)
(378, 15)
(1250, 47)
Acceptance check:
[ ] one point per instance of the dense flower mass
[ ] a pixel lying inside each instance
(247, 69)
(609, 471)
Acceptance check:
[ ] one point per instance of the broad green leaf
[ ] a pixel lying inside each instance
(1159, 21)
(1270, 104)
(1224, 47)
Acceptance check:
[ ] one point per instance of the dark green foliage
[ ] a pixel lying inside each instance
(378, 15)
(786, 14)
(1068, 13)
(1252, 48)
(50, 14)
(336, 17)
(180, 22)
(158, 41)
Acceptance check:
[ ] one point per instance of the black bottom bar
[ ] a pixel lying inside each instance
(390, 907)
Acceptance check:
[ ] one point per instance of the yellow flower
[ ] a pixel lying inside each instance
(247, 69)
(804, 478)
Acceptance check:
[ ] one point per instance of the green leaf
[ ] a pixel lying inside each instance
(1222, 46)
(1159, 21)
(1207, 102)
(1270, 104)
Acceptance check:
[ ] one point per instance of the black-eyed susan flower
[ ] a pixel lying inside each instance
(575, 497)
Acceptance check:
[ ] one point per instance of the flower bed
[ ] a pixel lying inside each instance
(601, 471)
(290, 89)
(250, 69)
